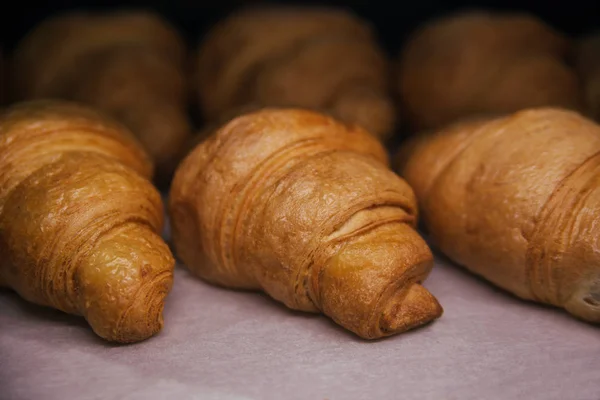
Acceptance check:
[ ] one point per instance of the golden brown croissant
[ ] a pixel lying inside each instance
(298, 205)
(588, 66)
(130, 64)
(483, 63)
(516, 200)
(323, 59)
(80, 221)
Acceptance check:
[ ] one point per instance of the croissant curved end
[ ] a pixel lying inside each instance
(584, 303)
(123, 285)
(145, 316)
(409, 310)
(141, 319)
(373, 289)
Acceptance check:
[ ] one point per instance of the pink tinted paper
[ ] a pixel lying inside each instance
(220, 344)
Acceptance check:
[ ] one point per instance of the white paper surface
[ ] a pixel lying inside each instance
(221, 344)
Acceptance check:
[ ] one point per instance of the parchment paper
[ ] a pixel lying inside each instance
(220, 344)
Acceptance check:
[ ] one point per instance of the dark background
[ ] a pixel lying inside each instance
(394, 19)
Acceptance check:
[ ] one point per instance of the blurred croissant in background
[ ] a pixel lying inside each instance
(588, 67)
(129, 64)
(2, 79)
(322, 59)
(477, 62)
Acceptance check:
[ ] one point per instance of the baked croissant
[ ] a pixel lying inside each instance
(130, 64)
(477, 62)
(588, 66)
(528, 224)
(324, 59)
(293, 203)
(80, 221)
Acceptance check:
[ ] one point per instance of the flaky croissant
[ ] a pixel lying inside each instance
(300, 206)
(80, 221)
(477, 62)
(588, 67)
(527, 223)
(129, 64)
(324, 59)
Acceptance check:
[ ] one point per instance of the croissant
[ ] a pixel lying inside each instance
(481, 63)
(130, 64)
(588, 67)
(80, 221)
(323, 59)
(293, 203)
(528, 224)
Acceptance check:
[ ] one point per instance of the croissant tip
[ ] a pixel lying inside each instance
(585, 303)
(144, 318)
(417, 308)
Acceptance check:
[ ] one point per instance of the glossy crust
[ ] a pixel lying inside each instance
(477, 62)
(588, 67)
(130, 64)
(323, 59)
(528, 223)
(80, 221)
(300, 206)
